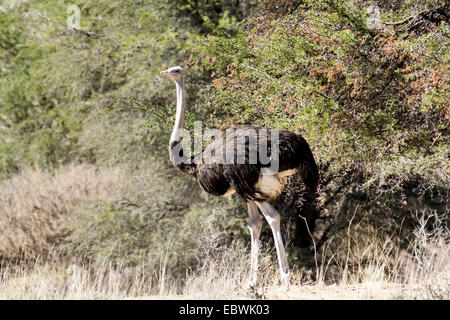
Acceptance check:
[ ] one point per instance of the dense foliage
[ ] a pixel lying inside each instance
(371, 101)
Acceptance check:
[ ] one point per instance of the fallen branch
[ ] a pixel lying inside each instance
(435, 15)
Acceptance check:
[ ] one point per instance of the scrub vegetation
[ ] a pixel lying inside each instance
(91, 207)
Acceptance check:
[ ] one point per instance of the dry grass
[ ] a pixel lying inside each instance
(216, 281)
(33, 205)
(45, 281)
(224, 277)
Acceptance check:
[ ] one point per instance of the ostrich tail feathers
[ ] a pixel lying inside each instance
(310, 173)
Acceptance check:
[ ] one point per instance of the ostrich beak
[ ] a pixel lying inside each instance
(164, 72)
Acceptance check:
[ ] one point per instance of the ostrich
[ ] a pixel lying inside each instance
(257, 183)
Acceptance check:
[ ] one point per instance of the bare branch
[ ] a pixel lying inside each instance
(433, 15)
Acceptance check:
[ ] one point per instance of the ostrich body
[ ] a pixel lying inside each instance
(254, 181)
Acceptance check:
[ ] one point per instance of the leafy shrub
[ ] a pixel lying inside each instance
(372, 105)
(162, 229)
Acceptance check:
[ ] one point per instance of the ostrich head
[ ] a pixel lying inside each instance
(175, 73)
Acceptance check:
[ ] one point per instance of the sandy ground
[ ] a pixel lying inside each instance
(366, 291)
(337, 292)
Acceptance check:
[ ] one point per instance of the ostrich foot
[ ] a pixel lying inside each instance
(285, 281)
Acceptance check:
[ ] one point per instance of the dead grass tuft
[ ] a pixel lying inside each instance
(34, 204)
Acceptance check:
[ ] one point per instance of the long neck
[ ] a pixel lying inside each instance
(177, 156)
(179, 118)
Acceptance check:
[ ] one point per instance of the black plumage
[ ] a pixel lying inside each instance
(216, 176)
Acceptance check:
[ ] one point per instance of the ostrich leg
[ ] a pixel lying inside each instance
(255, 225)
(273, 218)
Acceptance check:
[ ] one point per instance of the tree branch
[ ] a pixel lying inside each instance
(433, 15)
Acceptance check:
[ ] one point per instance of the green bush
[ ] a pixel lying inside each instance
(154, 228)
(371, 103)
